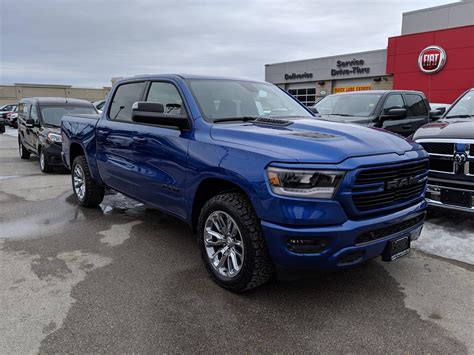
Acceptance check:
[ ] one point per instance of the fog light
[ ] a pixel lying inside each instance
(307, 245)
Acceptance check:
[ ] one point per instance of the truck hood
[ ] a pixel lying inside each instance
(447, 128)
(312, 140)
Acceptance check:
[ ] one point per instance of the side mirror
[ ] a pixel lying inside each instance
(154, 113)
(30, 123)
(437, 113)
(313, 109)
(395, 113)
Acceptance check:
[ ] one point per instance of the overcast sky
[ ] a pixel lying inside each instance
(86, 42)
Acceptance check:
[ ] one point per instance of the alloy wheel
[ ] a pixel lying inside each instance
(79, 183)
(224, 244)
(42, 162)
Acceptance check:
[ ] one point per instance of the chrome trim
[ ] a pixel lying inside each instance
(446, 188)
(451, 181)
(451, 207)
(467, 142)
(445, 140)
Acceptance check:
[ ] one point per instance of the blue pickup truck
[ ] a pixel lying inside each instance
(262, 183)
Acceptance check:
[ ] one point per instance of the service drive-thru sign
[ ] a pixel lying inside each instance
(432, 59)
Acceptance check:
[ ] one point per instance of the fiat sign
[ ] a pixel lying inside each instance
(432, 59)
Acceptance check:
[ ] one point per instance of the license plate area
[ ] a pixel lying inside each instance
(456, 198)
(396, 249)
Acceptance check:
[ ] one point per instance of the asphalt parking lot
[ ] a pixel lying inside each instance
(123, 278)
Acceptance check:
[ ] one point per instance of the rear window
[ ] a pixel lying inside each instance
(52, 114)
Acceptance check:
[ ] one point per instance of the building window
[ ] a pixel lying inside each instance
(307, 96)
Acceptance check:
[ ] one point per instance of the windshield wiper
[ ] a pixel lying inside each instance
(242, 118)
(460, 116)
(341, 114)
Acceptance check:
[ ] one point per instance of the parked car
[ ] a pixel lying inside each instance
(450, 145)
(247, 166)
(401, 112)
(99, 105)
(39, 127)
(439, 108)
(10, 114)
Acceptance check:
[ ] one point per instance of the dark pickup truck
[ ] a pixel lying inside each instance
(261, 181)
(398, 111)
(450, 144)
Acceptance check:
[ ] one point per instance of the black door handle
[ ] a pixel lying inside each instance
(102, 132)
(139, 140)
(406, 126)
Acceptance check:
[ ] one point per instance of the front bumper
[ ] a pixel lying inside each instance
(342, 240)
(433, 196)
(53, 154)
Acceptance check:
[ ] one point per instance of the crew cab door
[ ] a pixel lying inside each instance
(115, 134)
(401, 126)
(417, 110)
(161, 153)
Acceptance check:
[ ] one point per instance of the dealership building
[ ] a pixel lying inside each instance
(433, 54)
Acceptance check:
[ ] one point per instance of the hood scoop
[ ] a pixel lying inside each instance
(272, 121)
(315, 135)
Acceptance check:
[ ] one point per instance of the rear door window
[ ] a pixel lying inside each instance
(125, 96)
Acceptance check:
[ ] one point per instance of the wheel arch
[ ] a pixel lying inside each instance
(209, 187)
(75, 150)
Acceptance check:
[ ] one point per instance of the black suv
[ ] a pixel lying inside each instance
(39, 127)
(398, 111)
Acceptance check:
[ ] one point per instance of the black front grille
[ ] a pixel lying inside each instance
(384, 174)
(471, 168)
(390, 230)
(406, 191)
(439, 148)
(471, 150)
(441, 165)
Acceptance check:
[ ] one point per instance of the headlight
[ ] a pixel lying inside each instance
(304, 183)
(54, 137)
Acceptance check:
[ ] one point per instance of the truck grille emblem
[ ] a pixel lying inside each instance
(459, 160)
(402, 182)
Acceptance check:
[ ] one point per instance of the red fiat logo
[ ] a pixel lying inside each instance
(432, 59)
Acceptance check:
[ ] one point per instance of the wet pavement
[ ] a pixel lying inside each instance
(123, 278)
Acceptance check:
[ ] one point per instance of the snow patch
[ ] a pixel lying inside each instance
(449, 237)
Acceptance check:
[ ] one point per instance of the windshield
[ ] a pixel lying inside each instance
(226, 99)
(359, 105)
(52, 114)
(464, 108)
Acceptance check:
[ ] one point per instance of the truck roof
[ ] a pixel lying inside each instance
(366, 92)
(186, 76)
(56, 101)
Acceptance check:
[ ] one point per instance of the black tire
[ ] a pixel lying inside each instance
(257, 267)
(94, 193)
(24, 154)
(45, 167)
